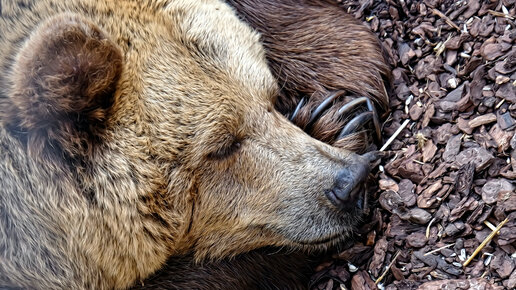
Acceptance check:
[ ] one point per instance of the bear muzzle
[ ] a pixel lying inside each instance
(348, 191)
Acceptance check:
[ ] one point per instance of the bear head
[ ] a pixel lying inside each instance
(164, 117)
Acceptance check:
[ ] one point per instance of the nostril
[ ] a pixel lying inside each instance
(343, 194)
(352, 175)
(348, 186)
(346, 199)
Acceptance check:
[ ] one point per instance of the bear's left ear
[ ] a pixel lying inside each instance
(64, 78)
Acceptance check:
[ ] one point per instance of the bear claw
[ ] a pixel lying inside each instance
(355, 124)
(361, 119)
(298, 108)
(323, 106)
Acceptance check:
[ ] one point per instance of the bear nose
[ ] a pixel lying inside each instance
(349, 183)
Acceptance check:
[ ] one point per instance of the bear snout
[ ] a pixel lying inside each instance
(348, 188)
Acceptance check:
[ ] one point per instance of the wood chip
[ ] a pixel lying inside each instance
(482, 120)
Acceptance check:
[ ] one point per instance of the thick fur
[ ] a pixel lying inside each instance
(132, 132)
(261, 269)
(315, 49)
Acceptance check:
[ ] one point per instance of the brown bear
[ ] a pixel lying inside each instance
(132, 132)
(300, 37)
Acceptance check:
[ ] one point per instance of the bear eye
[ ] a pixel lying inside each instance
(225, 151)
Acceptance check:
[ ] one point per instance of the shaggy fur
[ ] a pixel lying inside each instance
(299, 39)
(314, 49)
(132, 132)
(261, 269)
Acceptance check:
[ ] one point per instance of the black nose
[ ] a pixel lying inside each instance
(348, 187)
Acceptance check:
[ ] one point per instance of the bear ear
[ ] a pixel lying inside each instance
(64, 77)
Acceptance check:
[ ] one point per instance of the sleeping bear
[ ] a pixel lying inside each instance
(161, 134)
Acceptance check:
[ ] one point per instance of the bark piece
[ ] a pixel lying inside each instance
(452, 148)
(479, 156)
(482, 120)
(492, 188)
(460, 284)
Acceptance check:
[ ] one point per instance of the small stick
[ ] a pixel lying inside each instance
(485, 242)
(428, 228)
(500, 104)
(446, 19)
(491, 226)
(395, 135)
(388, 267)
(499, 14)
(438, 249)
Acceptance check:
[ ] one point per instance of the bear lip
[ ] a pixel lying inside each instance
(327, 240)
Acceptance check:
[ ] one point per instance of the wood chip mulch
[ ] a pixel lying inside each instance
(450, 178)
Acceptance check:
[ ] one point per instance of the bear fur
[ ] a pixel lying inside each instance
(315, 49)
(288, 30)
(132, 132)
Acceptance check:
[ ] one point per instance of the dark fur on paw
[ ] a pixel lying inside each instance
(343, 121)
(315, 50)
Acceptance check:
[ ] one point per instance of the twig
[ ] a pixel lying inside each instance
(438, 249)
(499, 14)
(427, 233)
(395, 135)
(500, 104)
(388, 267)
(491, 226)
(485, 242)
(446, 19)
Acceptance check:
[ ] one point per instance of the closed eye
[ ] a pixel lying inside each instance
(225, 151)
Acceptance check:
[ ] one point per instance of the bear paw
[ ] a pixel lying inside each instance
(348, 122)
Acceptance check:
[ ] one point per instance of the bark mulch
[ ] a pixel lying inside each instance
(451, 176)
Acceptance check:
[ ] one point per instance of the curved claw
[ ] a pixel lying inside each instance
(348, 107)
(323, 106)
(355, 122)
(298, 108)
(376, 121)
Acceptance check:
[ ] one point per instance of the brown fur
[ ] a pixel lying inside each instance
(315, 49)
(63, 92)
(288, 32)
(261, 269)
(133, 132)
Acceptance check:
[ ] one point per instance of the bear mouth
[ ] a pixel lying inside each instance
(323, 241)
(330, 240)
(355, 208)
